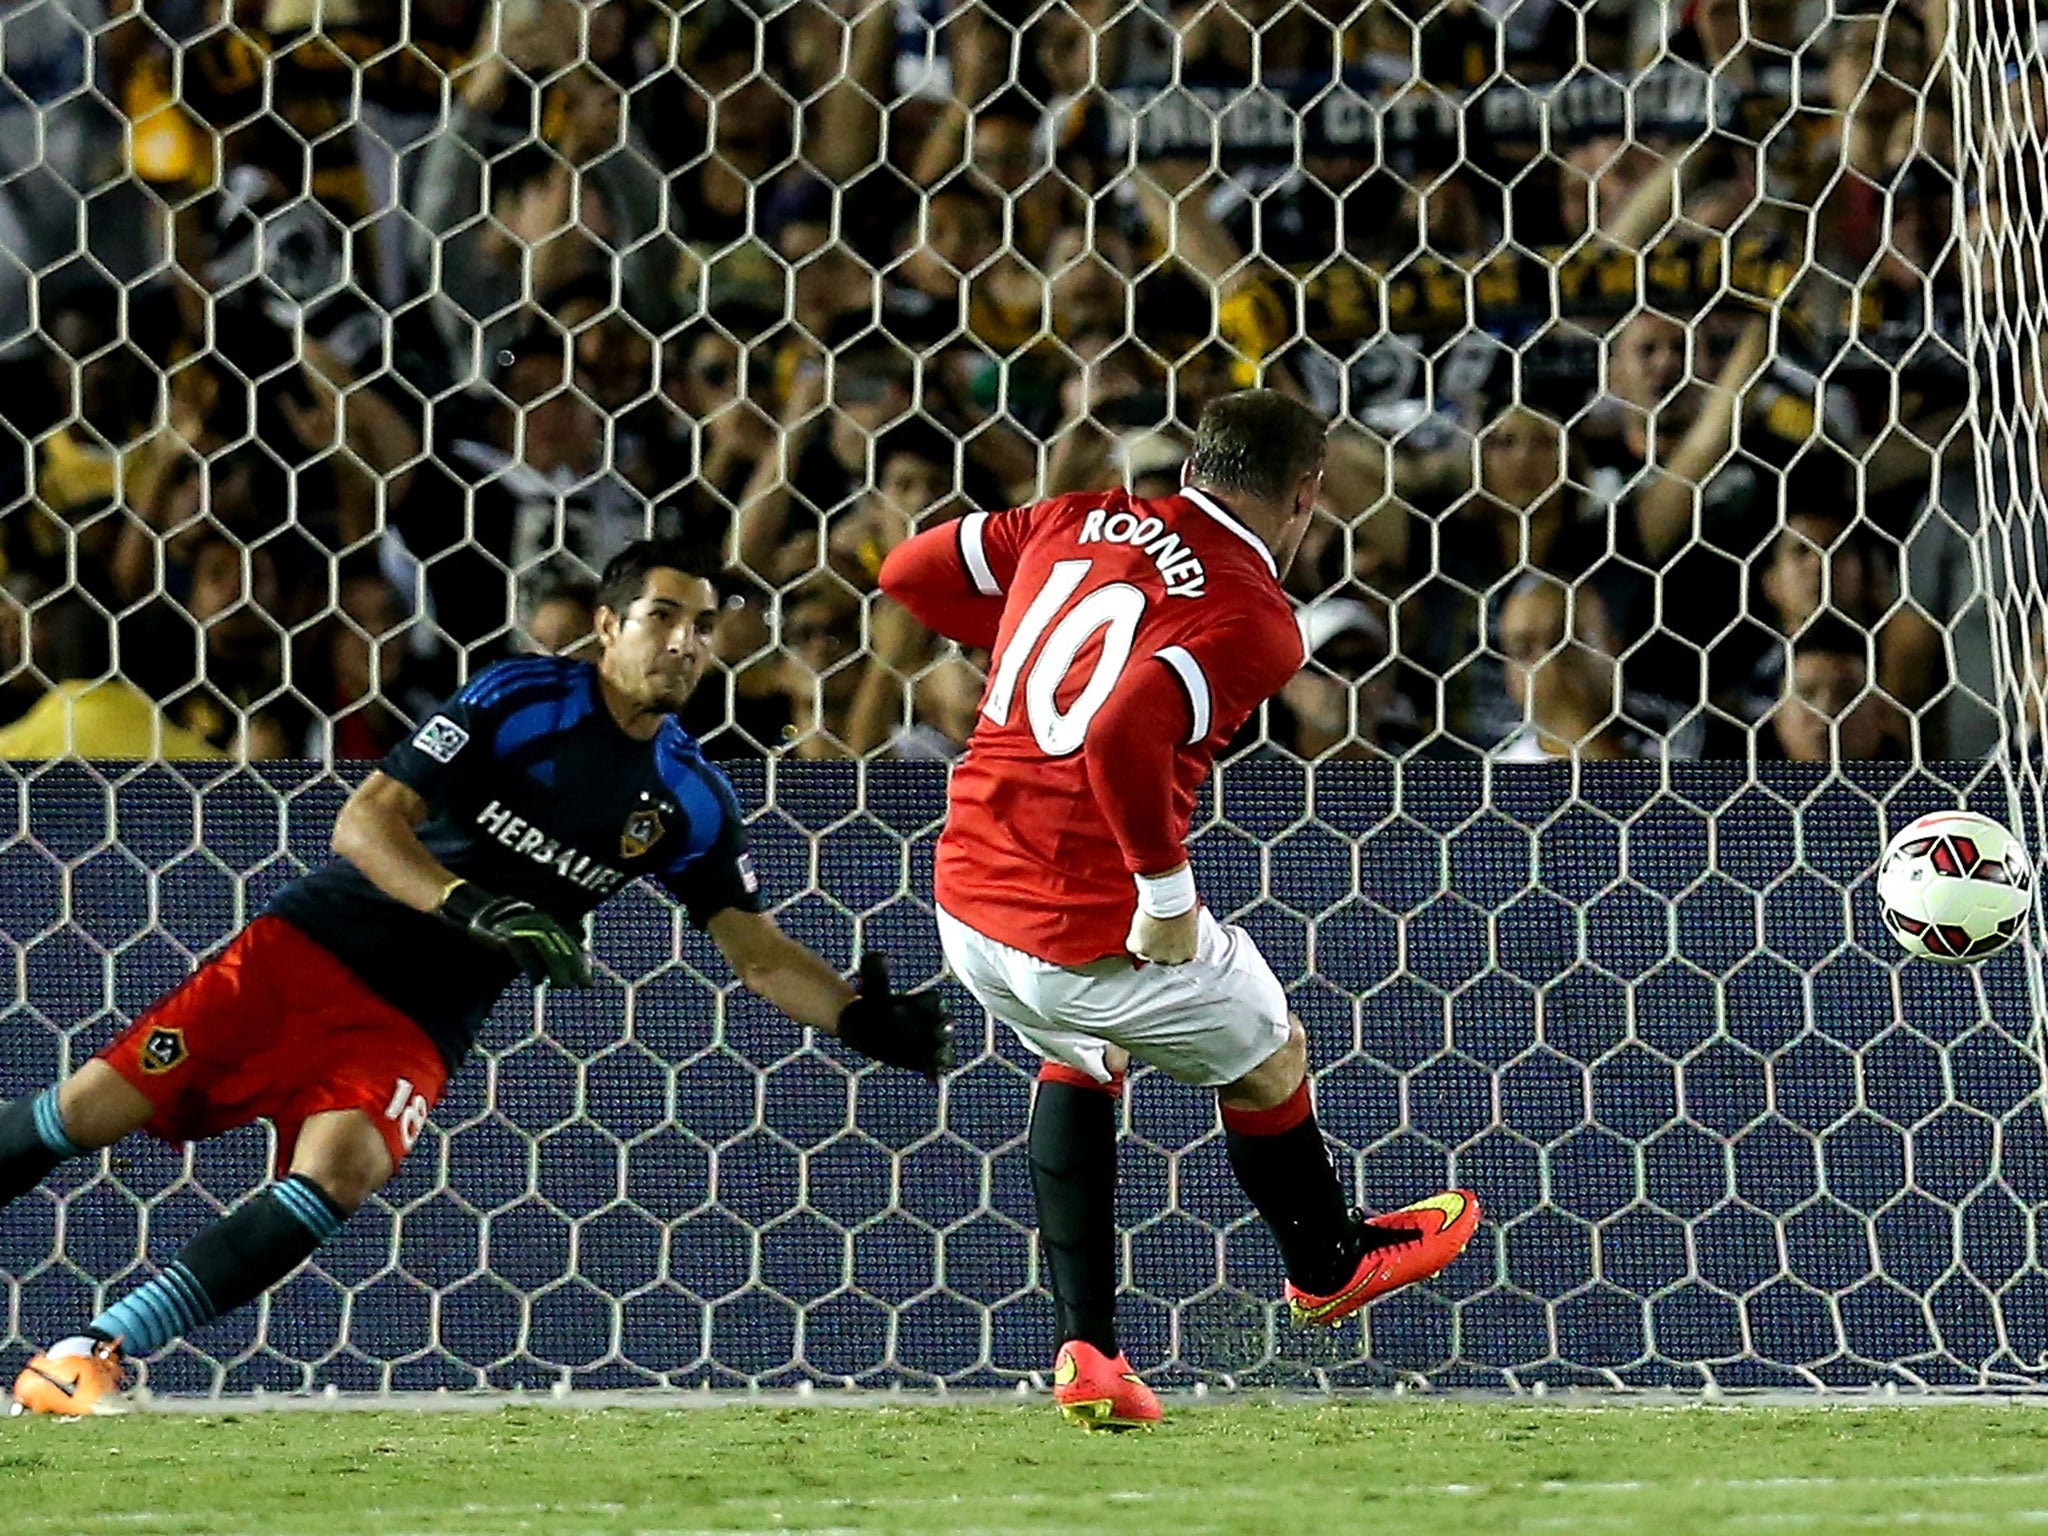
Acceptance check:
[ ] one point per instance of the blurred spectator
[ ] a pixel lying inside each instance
(1572, 696)
(1710, 439)
(401, 109)
(1149, 462)
(1092, 276)
(794, 498)
(1650, 402)
(1560, 671)
(743, 709)
(370, 693)
(88, 711)
(1007, 157)
(1822, 563)
(1599, 178)
(822, 284)
(1343, 703)
(615, 369)
(821, 669)
(498, 229)
(1876, 65)
(563, 620)
(1829, 710)
(519, 486)
(720, 396)
(62, 66)
(1903, 346)
(19, 686)
(733, 130)
(1115, 390)
(233, 648)
(614, 357)
(947, 702)
(308, 462)
(1527, 512)
(1935, 650)
(958, 263)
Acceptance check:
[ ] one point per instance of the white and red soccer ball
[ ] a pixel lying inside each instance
(1955, 887)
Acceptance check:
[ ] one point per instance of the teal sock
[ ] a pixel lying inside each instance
(32, 1143)
(227, 1266)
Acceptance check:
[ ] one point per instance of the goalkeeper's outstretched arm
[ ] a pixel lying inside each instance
(779, 970)
(910, 1030)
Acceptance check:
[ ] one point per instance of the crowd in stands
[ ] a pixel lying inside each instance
(341, 341)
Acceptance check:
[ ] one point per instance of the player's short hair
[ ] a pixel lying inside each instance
(625, 574)
(1257, 442)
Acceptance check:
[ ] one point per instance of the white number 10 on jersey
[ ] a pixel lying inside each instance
(1114, 612)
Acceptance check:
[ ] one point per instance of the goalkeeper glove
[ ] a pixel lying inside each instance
(914, 1031)
(537, 943)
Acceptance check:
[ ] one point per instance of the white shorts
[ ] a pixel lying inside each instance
(1207, 1022)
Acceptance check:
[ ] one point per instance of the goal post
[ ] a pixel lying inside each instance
(1681, 540)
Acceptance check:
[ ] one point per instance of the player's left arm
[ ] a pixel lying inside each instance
(1129, 757)
(1180, 696)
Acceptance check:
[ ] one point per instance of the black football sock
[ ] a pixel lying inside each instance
(1073, 1178)
(32, 1143)
(1280, 1161)
(229, 1265)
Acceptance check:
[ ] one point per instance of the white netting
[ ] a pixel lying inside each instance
(339, 344)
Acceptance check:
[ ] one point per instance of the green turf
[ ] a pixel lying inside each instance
(1256, 1468)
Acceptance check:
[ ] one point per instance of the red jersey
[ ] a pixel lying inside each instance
(1131, 640)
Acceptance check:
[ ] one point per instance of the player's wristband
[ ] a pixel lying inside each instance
(1165, 896)
(461, 902)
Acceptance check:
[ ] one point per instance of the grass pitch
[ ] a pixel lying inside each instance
(1246, 1468)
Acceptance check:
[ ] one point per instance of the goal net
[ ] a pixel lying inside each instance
(1680, 541)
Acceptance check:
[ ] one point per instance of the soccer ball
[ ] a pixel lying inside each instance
(1955, 887)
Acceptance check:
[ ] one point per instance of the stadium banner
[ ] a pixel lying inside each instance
(1356, 115)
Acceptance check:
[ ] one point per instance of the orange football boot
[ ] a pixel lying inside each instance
(77, 1377)
(1424, 1237)
(1097, 1392)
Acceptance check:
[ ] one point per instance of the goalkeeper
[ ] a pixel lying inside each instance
(470, 859)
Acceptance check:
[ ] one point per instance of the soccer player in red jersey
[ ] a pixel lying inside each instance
(1130, 641)
(471, 858)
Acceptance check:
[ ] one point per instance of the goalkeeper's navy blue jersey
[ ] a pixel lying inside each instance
(532, 791)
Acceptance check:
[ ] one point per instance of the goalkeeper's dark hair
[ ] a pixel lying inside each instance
(1257, 442)
(625, 574)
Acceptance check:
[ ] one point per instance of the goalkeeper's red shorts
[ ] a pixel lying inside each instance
(275, 1028)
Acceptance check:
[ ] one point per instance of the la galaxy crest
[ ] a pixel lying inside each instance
(163, 1050)
(644, 828)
